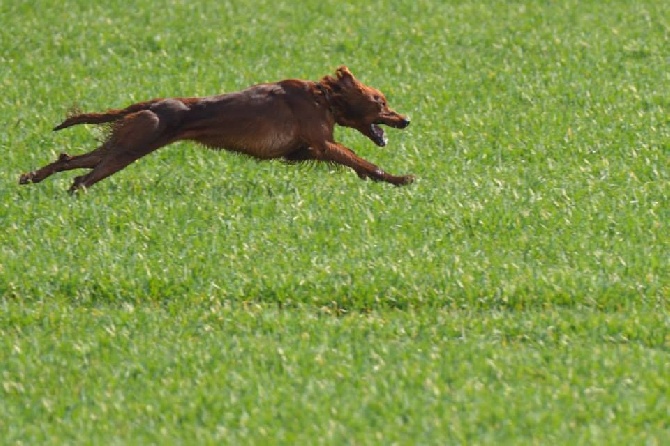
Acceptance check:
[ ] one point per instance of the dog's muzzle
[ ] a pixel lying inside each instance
(404, 123)
(376, 133)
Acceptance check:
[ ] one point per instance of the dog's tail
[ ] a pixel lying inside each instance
(100, 118)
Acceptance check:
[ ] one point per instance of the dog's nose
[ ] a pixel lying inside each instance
(404, 123)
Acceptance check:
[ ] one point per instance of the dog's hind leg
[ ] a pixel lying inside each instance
(107, 167)
(340, 154)
(135, 136)
(64, 162)
(110, 165)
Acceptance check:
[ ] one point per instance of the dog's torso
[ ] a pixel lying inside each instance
(264, 121)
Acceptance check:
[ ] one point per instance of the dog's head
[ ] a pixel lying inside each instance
(361, 107)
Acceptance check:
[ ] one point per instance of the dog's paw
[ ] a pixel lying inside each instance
(26, 178)
(404, 180)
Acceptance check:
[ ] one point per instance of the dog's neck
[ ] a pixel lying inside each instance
(327, 95)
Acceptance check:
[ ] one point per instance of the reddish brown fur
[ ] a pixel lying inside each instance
(291, 119)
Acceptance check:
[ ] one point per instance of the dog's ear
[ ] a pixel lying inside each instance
(345, 77)
(343, 71)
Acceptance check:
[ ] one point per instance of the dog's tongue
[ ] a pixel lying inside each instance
(378, 132)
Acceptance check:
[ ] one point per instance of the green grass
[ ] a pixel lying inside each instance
(516, 294)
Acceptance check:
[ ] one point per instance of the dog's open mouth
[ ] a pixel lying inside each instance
(378, 136)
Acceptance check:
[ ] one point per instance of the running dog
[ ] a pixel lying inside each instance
(291, 120)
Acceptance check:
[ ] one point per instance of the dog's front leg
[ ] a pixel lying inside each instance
(337, 153)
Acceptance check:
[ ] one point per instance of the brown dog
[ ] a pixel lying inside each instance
(291, 119)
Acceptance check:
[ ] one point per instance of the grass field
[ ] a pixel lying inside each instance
(516, 294)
